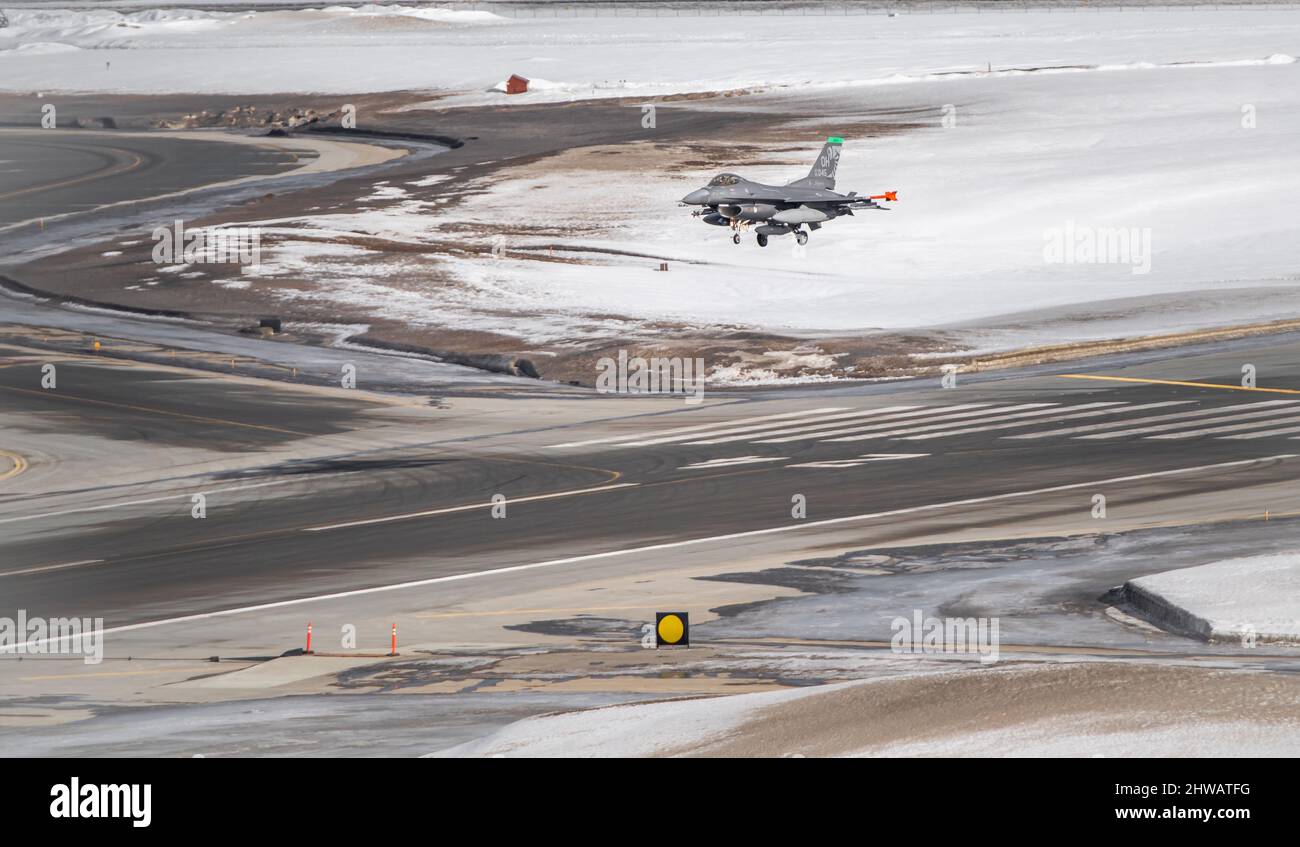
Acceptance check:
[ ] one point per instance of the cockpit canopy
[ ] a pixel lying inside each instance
(723, 179)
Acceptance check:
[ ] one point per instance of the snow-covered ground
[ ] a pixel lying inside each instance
(1255, 598)
(1179, 129)
(643, 729)
(388, 48)
(1160, 153)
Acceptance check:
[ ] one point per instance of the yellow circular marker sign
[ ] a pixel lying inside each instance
(672, 629)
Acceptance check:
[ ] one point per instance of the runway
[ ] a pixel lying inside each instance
(315, 494)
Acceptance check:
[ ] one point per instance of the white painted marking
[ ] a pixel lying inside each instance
(738, 460)
(468, 507)
(1238, 427)
(1200, 413)
(888, 414)
(1148, 430)
(1284, 431)
(160, 499)
(44, 568)
(670, 545)
(861, 460)
(728, 434)
(933, 413)
(909, 430)
(716, 424)
(1095, 413)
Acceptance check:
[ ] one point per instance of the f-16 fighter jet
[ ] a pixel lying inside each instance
(733, 201)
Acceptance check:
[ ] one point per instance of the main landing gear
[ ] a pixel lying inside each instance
(799, 235)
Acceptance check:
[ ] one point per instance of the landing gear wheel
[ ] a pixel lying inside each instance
(762, 240)
(801, 237)
(735, 239)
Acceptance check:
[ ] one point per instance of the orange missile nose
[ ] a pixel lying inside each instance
(888, 195)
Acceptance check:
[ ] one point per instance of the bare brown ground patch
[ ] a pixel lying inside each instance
(1095, 697)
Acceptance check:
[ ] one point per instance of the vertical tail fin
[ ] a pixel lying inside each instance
(823, 170)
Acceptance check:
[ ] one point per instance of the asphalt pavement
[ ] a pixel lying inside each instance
(52, 172)
(320, 501)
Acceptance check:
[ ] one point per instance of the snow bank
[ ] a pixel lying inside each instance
(1234, 600)
(626, 731)
(96, 27)
(459, 16)
(40, 48)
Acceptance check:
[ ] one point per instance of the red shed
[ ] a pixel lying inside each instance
(516, 84)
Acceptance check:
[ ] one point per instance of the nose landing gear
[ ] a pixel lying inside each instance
(735, 239)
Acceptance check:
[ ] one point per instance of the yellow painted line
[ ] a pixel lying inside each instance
(20, 465)
(1178, 382)
(57, 395)
(111, 170)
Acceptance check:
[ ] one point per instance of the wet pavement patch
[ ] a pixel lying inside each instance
(807, 580)
(612, 629)
(1047, 591)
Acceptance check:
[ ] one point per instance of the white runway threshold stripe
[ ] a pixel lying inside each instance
(1004, 414)
(1183, 415)
(961, 412)
(615, 439)
(729, 432)
(1222, 417)
(1056, 416)
(1288, 430)
(690, 542)
(1291, 418)
(1019, 419)
(805, 431)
